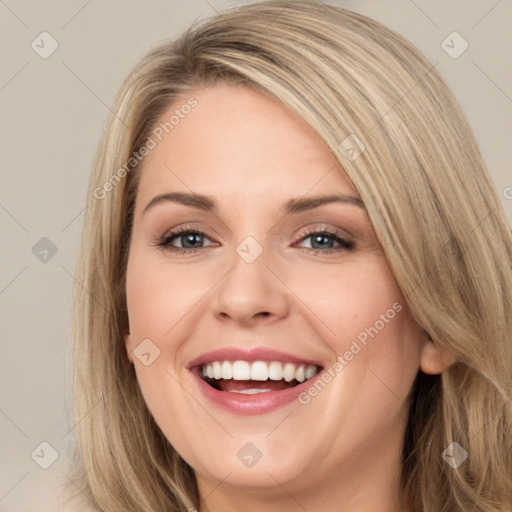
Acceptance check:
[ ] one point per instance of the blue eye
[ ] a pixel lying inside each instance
(191, 240)
(322, 241)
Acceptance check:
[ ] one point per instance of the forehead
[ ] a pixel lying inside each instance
(238, 142)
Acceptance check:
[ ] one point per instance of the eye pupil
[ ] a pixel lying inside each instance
(321, 239)
(190, 238)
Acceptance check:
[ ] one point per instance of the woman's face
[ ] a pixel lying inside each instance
(283, 286)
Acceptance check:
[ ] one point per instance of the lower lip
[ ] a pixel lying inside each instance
(258, 403)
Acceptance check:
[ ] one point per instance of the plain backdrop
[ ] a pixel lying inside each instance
(53, 111)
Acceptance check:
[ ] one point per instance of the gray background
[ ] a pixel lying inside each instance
(53, 111)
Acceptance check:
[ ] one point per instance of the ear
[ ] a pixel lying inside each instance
(434, 359)
(128, 344)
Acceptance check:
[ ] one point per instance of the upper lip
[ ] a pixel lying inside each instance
(250, 355)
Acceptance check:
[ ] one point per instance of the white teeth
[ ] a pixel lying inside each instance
(217, 371)
(275, 371)
(258, 370)
(289, 372)
(241, 370)
(227, 370)
(250, 391)
(310, 372)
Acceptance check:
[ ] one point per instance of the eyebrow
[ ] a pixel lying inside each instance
(296, 205)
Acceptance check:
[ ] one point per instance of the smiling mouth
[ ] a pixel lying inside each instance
(255, 377)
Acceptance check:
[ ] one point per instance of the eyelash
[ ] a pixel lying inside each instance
(165, 241)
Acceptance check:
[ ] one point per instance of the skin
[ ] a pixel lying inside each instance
(251, 155)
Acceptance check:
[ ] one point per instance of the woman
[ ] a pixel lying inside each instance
(296, 280)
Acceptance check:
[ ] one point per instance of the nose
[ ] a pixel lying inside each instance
(251, 293)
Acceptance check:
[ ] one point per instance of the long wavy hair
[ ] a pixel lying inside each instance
(429, 197)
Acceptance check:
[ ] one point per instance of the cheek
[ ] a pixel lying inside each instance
(159, 298)
(158, 303)
(362, 316)
(350, 298)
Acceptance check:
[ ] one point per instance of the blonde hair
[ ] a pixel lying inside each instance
(431, 202)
